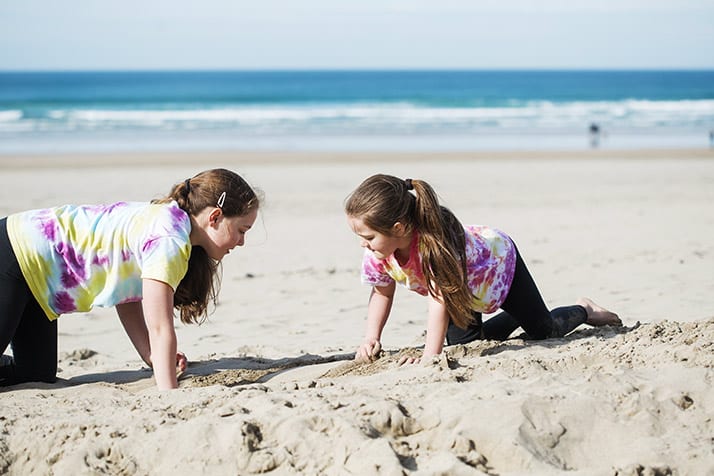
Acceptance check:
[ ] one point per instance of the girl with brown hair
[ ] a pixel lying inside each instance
(410, 239)
(146, 259)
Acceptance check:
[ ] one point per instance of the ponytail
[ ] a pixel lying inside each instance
(442, 248)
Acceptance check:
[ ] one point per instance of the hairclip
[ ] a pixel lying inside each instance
(221, 200)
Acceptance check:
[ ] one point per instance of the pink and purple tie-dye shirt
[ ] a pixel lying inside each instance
(77, 257)
(490, 264)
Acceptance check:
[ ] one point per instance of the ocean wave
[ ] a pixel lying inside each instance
(10, 115)
(365, 116)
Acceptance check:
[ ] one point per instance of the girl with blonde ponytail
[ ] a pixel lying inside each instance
(412, 240)
(145, 259)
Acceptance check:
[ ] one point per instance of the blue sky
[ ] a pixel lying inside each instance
(340, 34)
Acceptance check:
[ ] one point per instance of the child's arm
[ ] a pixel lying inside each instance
(436, 325)
(378, 309)
(132, 318)
(157, 305)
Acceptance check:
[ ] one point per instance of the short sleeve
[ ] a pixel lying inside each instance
(373, 271)
(165, 259)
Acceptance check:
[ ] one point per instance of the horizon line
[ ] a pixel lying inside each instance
(357, 69)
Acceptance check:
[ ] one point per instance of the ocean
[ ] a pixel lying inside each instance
(47, 112)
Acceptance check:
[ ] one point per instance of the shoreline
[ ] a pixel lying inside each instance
(277, 157)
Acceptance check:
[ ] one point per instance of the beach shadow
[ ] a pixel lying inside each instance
(236, 371)
(226, 371)
(522, 341)
(231, 372)
(118, 377)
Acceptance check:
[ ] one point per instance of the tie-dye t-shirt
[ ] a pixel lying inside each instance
(490, 264)
(77, 257)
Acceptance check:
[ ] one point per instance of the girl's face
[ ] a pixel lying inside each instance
(226, 233)
(380, 244)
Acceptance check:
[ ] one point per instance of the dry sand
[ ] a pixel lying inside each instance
(271, 386)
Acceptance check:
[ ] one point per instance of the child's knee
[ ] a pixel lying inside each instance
(46, 374)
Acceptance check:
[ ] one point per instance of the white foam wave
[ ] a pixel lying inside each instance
(365, 116)
(10, 115)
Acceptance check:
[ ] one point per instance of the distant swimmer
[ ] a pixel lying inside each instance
(594, 135)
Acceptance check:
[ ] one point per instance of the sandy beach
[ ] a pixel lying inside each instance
(271, 386)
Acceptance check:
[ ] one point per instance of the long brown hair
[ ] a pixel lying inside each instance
(383, 200)
(211, 188)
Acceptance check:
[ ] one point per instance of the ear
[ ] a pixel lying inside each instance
(398, 229)
(214, 216)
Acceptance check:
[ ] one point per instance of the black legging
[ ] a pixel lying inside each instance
(23, 324)
(523, 307)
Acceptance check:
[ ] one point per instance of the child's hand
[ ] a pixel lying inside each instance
(368, 351)
(405, 359)
(181, 362)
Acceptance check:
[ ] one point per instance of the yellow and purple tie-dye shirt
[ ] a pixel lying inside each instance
(76, 257)
(490, 264)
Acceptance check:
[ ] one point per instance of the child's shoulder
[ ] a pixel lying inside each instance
(479, 229)
(486, 232)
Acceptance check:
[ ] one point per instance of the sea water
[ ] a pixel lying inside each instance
(45, 112)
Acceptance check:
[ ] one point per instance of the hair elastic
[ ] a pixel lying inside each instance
(221, 200)
(409, 184)
(187, 183)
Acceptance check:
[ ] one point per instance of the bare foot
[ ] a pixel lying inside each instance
(598, 316)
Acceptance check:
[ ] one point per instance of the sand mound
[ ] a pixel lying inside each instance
(601, 401)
